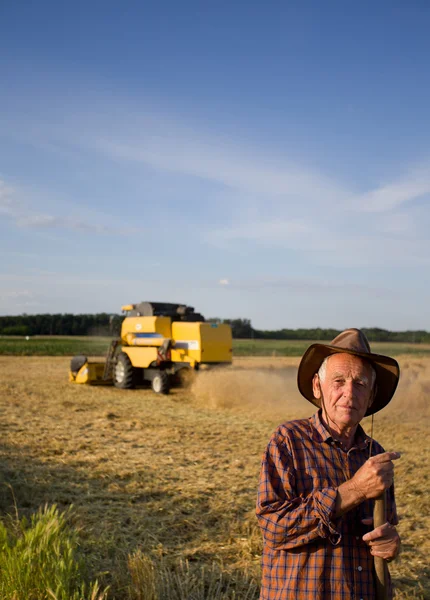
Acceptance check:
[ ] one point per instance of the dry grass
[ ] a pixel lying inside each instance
(173, 479)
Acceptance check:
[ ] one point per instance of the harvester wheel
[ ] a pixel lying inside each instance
(123, 372)
(161, 383)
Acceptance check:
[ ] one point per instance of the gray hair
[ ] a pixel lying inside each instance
(323, 370)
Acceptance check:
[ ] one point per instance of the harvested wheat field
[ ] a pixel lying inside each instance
(166, 486)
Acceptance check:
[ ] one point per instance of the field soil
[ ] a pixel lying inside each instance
(175, 476)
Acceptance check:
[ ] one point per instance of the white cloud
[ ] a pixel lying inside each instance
(265, 198)
(307, 286)
(224, 282)
(415, 184)
(13, 294)
(6, 200)
(167, 145)
(397, 224)
(226, 164)
(14, 207)
(274, 202)
(275, 232)
(16, 298)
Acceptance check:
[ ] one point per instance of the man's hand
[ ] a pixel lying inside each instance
(370, 481)
(375, 476)
(384, 541)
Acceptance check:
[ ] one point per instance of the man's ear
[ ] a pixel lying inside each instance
(316, 386)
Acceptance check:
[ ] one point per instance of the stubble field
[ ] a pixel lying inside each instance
(169, 483)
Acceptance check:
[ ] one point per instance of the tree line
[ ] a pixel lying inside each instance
(242, 328)
(104, 324)
(61, 324)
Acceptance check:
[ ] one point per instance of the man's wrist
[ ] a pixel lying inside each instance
(356, 491)
(348, 497)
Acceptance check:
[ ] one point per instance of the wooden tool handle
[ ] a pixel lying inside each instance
(379, 518)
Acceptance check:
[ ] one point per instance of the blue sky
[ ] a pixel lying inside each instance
(261, 160)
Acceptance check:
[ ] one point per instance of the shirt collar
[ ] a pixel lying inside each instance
(321, 433)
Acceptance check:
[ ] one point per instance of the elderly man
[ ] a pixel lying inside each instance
(320, 476)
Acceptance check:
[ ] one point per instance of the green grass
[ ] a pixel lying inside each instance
(53, 346)
(98, 346)
(39, 560)
(298, 347)
(269, 347)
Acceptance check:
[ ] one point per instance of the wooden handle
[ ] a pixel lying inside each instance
(379, 518)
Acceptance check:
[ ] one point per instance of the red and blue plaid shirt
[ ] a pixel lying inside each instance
(308, 553)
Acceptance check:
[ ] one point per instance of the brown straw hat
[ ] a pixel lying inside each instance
(350, 341)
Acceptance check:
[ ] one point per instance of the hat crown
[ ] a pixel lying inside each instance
(353, 340)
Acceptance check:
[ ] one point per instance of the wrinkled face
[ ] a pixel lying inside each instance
(346, 389)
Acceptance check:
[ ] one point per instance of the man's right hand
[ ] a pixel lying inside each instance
(375, 476)
(370, 481)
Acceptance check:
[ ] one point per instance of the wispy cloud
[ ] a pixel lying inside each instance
(18, 298)
(311, 285)
(224, 163)
(276, 202)
(129, 136)
(14, 294)
(265, 198)
(413, 185)
(6, 200)
(14, 207)
(274, 230)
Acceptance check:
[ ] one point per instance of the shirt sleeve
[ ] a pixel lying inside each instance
(287, 520)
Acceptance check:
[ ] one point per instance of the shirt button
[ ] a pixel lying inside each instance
(359, 568)
(357, 537)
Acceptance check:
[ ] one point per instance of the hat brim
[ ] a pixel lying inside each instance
(387, 373)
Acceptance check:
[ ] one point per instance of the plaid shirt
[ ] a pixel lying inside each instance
(308, 554)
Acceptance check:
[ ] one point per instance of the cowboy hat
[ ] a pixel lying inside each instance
(350, 341)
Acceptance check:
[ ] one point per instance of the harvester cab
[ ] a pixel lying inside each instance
(159, 343)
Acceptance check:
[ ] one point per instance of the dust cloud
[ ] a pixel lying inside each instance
(412, 398)
(252, 387)
(270, 386)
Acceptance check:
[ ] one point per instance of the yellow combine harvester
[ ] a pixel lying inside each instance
(158, 341)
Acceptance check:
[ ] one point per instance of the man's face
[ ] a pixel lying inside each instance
(346, 389)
